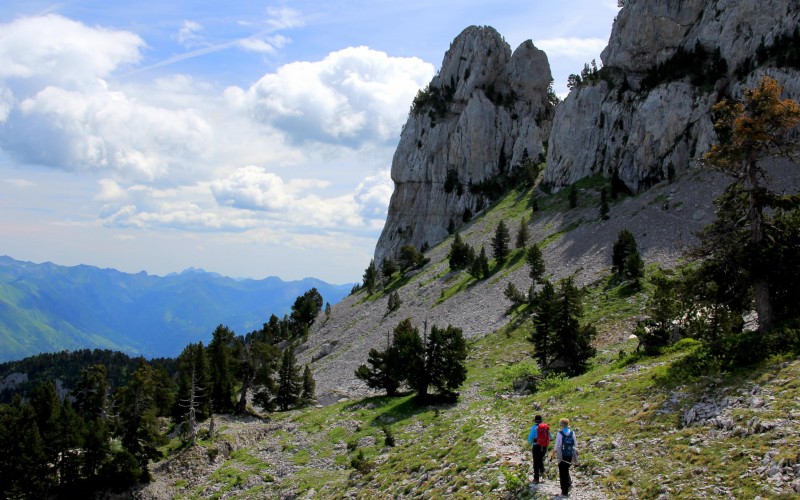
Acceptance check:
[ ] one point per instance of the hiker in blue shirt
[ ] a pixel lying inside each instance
(539, 437)
(565, 452)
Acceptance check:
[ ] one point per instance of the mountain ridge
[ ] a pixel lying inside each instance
(47, 307)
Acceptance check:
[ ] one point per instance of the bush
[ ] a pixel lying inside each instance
(361, 463)
(523, 376)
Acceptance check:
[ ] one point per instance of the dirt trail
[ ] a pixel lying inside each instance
(502, 442)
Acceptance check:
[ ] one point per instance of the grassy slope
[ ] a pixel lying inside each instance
(627, 412)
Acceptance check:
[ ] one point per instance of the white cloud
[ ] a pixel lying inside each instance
(373, 194)
(57, 48)
(110, 191)
(6, 103)
(572, 47)
(352, 96)
(104, 129)
(187, 35)
(20, 183)
(256, 45)
(253, 188)
(284, 18)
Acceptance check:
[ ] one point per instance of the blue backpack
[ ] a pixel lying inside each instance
(567, 444)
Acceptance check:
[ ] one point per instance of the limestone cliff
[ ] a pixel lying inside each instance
(476, 119)
(647, 111)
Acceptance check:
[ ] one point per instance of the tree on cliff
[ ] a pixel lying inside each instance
(371, 277)
(751, 130)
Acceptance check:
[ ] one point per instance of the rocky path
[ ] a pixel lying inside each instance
(501, 441)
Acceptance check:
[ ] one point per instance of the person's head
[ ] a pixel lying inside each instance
(564, 422)
(537, 419)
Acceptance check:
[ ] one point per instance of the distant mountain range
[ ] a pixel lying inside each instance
(49, 308)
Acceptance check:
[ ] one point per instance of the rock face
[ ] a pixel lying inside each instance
(628, 122)
(476, 118)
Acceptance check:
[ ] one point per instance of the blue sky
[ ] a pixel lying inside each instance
(249, 138)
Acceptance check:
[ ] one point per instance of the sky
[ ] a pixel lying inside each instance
(248, 138)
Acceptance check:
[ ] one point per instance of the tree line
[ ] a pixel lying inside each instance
(106, 429)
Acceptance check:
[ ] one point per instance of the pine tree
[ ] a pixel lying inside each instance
(662, 307)
(393, 303)
(500, 242)
(309, 386)
(140, 435)
(544, 320)
(305, 310)
(535, 262)
(192, 399)
(573, 340)
(91, 393)
(461, 254)
(479, 268)
(388, 268)
(266, 357)
(758, 127)
(573, 196)
(370, 278)
(446, 354)
(407, 354)
(625, 259)
(69, 442)
(289, 381)
(221, 362)
(381, 373)
(523, 233)
(246, 365)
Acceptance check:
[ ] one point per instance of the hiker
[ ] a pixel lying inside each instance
(565, 452)
(539, 437)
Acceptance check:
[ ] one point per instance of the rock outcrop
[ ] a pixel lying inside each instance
(642, 121)
(476, 119)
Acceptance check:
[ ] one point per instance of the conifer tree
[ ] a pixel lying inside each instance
(393, 303)
(500, 242)
(305, 309)
(289, 381)
(370, 278)
(192, 399)
(544, 321)
(573, 340)
(221, 362)
(535, 262)
(461, 254)
(446, 354)
(408, 356)
(751, 130)
(381, 373)
(91, 393)
(309, 386)
(140, 435)
(266, 358)
(523, 233)
(388, 268)
(625, 259)
(479, 268)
